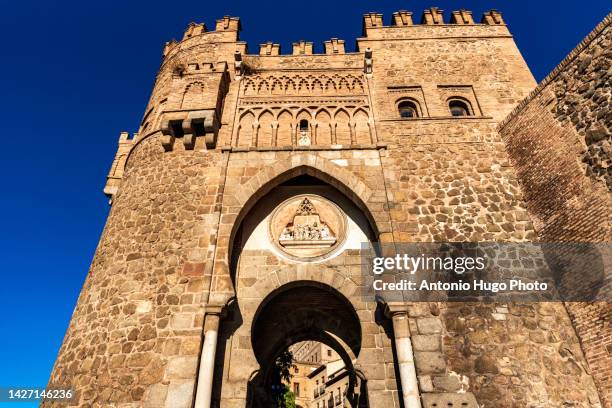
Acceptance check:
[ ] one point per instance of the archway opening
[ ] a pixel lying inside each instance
(305, 174)
(295, 322)
(298, 235)
(303, 125)
(254, 232)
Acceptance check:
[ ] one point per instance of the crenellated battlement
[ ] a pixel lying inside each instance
(227, 29)
(373, 27)
(194, 29)
(269, 48)
(462, 17)
(402, 18)
(334, 46)
(431, 16)
(228, 23)
(492, 17)
(433, 24)
(372, 20)
(302, 48)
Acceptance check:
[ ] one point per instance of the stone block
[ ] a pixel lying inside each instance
(429, 362)
(436, 400)
(183, 367)
(429, 325)
(426, 342)
(155, 396)
(180, 394)
(447, 383)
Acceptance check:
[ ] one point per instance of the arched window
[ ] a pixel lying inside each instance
(459, 107)
(304, 133)
(303, 125)
(408, 109)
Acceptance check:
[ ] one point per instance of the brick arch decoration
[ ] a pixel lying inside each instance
(193, 96)
(246, 196)
(284, 84)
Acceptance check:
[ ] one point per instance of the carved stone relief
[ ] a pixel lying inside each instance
(307, 227)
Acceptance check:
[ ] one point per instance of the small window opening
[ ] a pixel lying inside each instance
(459, 108)
(408, 110)
(198, 128)
(177, 128)
(303, 125)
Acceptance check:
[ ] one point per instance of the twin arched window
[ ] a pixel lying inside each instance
(458, 107)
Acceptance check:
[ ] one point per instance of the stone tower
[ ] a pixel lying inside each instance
(239, 207)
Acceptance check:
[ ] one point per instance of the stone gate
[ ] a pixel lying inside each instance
(241, 206)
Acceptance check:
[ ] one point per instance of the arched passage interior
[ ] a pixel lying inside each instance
(300, 311)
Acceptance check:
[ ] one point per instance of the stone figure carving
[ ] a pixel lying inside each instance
(287, 233)
(304, 139)
(307, 226)
(306, 208)
(325, 232)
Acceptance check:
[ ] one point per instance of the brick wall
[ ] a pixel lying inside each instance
(560, 141)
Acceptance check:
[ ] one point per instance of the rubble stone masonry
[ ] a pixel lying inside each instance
(226, 132)
(560, 142)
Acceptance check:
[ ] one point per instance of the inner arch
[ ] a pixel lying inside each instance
(306, 310)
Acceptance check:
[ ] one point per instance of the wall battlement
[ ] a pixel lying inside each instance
(372, 20)
(218, 63)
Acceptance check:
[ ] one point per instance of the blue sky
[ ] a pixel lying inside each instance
(75, 74)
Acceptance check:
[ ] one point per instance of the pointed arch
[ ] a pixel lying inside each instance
(277, 87)
(330, 86)
(283, 135)
(194, 96)
(264, 135)
(323, 120)
(244, 196)
(249, 87)
(343, 131)
(245, 129)
(344, 307)
(362, 127)
(317, 86)
(308, 164)
(265, 112)
(343, 86)
(290, 87)
(357, 85)
(303, 114)
(263, 87)
(303, 86)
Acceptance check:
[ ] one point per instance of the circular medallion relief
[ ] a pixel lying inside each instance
(307, 227)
